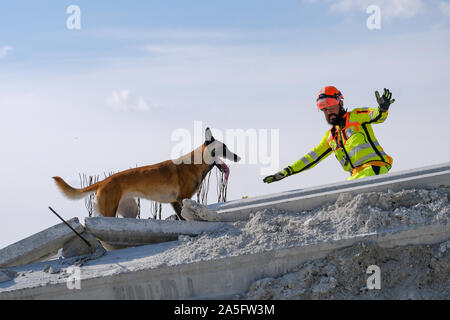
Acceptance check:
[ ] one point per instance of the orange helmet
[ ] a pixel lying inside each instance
(328, 96)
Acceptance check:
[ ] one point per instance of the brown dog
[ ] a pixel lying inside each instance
(170, 181)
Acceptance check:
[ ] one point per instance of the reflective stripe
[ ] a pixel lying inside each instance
(313, 155)
(305, 161)
(349, 132)
(310, 165)
(369, 156)
(372, 115)
(361, 147)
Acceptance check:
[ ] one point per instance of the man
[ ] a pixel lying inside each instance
(351, 138)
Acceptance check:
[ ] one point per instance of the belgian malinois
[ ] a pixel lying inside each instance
(169, 181)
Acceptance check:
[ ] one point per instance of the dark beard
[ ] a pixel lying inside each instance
(337, 120)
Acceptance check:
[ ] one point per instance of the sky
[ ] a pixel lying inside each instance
(111, 94)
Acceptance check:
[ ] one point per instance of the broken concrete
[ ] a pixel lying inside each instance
(406, 272)
(49, 269)
(136, 232)
(39, 245)
(7, 275)
(194, 211)
(77, 247)
(272, 243)
(113, 278)
(306, 199)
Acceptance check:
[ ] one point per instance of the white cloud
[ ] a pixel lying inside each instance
(124, 100)
(445, 7)
(174, 34)
(6, 50)
(389, 8)
(183, 50)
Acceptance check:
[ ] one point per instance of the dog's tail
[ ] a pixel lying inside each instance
(74, 193)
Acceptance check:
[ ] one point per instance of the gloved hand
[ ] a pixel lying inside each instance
(276, 177)
(385, 100)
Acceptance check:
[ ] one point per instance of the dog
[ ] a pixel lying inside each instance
(169, 181)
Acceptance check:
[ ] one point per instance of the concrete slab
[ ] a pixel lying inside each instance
(77, 247)
(211, 279)
(39, 245)
(135, 277)
(194, 211)
(307, 199)
(136, 232)
(7, 275)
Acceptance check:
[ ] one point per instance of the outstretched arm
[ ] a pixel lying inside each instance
(310, 160)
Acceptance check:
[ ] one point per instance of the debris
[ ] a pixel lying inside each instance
(69, 226)
(7, 275)
(136, 232)
(194, 211)
(50, 270)
(311, 254)
(407, 272)
(77, 247)
(39, 246)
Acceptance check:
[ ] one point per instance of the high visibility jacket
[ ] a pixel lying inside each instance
(353, 145)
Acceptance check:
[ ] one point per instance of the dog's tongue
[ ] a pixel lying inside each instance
(224, 168)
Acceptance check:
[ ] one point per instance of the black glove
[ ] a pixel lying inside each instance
(385, 100)
(276, 177)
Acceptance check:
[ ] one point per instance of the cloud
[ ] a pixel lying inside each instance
(189, 51)
(174, 34)
(6, 50)
(390, 8)
(180, 49)
(124, 100)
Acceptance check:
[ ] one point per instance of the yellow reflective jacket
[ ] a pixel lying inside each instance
(353, 145)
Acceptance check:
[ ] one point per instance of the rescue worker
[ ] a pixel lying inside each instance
(351, 138)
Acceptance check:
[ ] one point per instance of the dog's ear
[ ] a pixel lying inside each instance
(208, 135)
